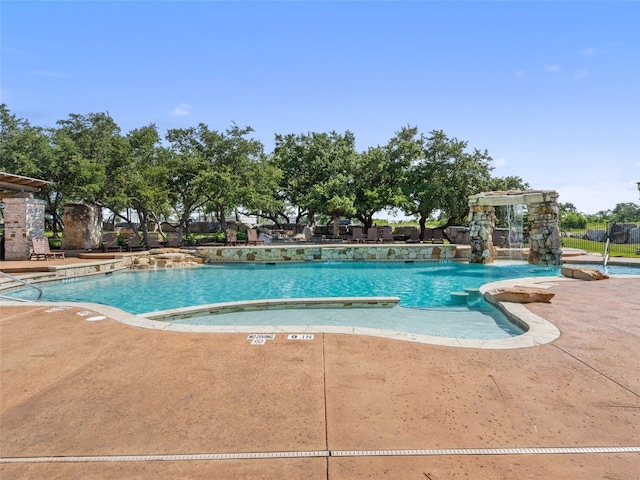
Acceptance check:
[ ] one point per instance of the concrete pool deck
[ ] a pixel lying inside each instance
(85, 397)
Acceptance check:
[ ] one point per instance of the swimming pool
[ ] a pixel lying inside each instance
(424, 289)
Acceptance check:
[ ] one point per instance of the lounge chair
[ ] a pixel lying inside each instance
(231, 237)
(252, 237)
(153, 241)
(414, 236)
(357, 235)
(174, 241)
(497, 238)
(387, 235)
(40, 250)
(110, 243)
(372, 235)
(438, 235)
(427, 236)
(307, 233)
(133, 243)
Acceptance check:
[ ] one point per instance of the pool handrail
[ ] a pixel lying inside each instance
(19, 280)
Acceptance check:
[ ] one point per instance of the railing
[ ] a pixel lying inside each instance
(19, 280)
(606, 238)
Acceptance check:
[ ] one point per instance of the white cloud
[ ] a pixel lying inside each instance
(552, 68)
(519, 73)
(182, 110)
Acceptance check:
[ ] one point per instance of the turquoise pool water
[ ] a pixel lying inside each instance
(424, 290)
(418, 285)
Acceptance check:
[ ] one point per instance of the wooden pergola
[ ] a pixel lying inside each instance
(18, 183)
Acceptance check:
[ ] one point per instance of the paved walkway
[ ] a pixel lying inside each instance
(87, 397)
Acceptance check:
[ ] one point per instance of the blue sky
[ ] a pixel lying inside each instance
(550, 89)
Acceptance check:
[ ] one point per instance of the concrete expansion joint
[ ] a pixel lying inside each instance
(597, 371)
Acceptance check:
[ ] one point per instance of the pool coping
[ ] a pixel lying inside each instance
(272, 304)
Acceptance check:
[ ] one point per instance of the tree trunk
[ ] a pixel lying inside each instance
(221, 218)
(423, 221)
(336, 226)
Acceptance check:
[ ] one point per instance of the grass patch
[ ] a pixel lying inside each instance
(615, 249)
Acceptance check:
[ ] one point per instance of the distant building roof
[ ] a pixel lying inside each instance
(19, 183)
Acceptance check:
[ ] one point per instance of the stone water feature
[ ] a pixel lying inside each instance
(82, 227)
(544, 233)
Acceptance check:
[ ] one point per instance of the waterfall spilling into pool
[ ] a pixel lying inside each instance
(515, 235)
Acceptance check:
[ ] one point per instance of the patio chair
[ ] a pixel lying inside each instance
(372, 235)
(231, 237)
(307, 233)
(427, 236)
(133, 243)
(252, 237)
(387, 234)
(357, 235)
(110, 243)
(154, 241)
(414, 236)
(174, 241)
(497, 238)
(438, 235)
(40, 250)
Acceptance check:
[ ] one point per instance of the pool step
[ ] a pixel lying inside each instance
(470, 296)
(459, 297)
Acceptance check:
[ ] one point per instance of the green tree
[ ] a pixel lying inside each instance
(239, 175)
(570, 217)
(443, 178)
(380, 173)
(22, 146)
(26, 150)
(218, 171)
(625, 213)
(317, 171)
(567, 208)
(147, 188)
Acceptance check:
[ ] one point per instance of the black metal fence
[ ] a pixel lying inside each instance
(624, 238)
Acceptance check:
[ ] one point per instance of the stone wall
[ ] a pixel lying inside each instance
(482, 219)
(330, 253)
(544, 232)
(82, 227)
(23, 220)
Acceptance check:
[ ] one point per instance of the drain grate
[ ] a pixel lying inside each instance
(485, 451)
(325, 453)
(151, 458)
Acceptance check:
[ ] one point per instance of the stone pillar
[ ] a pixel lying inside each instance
(482, 219)
(544, 232)
(23, 220)
(82, 227)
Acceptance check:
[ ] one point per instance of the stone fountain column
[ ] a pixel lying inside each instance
(544, 232)
(82, 227)
(482, 219)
